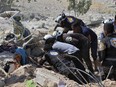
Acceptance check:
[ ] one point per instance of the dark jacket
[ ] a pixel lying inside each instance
(67, 23)
(78, 40)
(108, 50)
(81, 42)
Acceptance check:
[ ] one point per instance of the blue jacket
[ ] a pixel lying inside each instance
(23, 54)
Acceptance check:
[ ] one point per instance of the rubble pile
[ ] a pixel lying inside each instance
(31, 75)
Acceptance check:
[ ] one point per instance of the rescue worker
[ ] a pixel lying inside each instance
(107, 50)
(21, 56)
(66, 22)
(113, 21)
(19, 30)
(92, 38)
(52, 48)
(23, 35)
(78, 40)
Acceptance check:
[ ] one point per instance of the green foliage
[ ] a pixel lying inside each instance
(79, 6)
(30, 83)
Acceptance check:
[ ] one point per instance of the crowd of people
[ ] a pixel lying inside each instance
(68, 49)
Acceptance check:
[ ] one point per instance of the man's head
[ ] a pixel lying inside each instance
(61, 20)
(108, 28)
(76, 28)
(49, 39)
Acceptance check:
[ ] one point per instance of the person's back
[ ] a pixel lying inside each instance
(67, 21)
(71, 20)
(64, 47)
(24, 58)
(76, 39)
(107, 50)
(87, 31)
(91, 35)
(110, 43)
(81, 42)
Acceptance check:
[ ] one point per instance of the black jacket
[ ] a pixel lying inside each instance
(108, 49)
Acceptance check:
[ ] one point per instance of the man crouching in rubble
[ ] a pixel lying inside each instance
(107, 50)
(20, 56)
(63, 64)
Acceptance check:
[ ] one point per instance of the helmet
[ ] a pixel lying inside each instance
(59, 29)
(9, 36)
(108, 21)
(57, 33)
(60, 18)
(47, 36)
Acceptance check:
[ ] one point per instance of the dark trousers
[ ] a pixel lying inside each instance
(94, 45)
(85, 55)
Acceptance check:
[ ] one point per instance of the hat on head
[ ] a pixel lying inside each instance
(60, 18)
(108, 21)
(57, 33)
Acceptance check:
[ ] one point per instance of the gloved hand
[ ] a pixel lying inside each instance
(68, 39)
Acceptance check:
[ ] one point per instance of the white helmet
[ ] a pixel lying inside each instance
(60, 18)
(47, 36)
(57, 33)
(108, 21)
(59, 29)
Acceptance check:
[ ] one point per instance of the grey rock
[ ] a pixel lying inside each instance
(2, 83)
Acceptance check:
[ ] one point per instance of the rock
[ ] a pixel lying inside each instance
(19, 84)
(6, 55)
(21, 74)
(92, 19)
(2, 74)
(49, 78)
(2, 83)
(36, 52)
(8, 14)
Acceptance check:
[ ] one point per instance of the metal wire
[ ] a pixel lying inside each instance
(71, 72)
(100, 74)
(92, 75)
(109, 72)
(100, 85)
